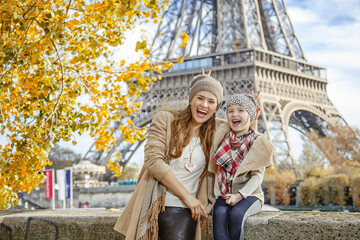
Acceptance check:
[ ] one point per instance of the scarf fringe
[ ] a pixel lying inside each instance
(151, 215)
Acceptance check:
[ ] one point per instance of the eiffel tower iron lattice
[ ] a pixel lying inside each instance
(248, 45)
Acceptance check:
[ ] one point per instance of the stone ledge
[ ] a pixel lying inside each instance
(98, 224)
(303, 225)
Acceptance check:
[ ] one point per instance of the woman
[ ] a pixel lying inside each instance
(172, 190)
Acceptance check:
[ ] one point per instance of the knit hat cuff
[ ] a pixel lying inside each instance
(206, 83)
(246, 101)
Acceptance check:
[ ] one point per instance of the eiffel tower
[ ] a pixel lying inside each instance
(248, 45)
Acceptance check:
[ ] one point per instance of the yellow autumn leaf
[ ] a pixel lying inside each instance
(166, 65)
(141, 81)
(146, 52)
(184, 37)
(71, 25)
(111, 164)
(140, 45)
(179, 60)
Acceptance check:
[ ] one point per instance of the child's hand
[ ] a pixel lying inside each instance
(233, 199)
(203, 72)
(258, 107)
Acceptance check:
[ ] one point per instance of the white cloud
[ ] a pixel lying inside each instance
(343, 91)
(341, 60)
(302, 16)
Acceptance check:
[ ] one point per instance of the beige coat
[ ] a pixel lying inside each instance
(155, 166)
(249, 175)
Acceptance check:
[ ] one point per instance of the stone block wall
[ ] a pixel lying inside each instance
(98, 224)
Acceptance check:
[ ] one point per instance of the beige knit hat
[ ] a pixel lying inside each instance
(206, 83)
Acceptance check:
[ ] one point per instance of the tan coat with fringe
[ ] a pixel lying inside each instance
(155, 167)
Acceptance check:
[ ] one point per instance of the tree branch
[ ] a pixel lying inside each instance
(29, 9)
(62, 81)
(2, 115)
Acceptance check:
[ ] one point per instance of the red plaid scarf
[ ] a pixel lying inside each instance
(228, 164)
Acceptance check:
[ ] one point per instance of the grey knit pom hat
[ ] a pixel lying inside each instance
(246, 101)
(206, 83)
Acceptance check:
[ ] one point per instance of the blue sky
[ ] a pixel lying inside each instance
(329, 33)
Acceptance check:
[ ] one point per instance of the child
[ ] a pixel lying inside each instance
(241, 159)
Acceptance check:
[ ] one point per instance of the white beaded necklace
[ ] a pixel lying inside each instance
(190, 166)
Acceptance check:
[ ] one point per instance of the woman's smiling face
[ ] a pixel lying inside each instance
(203, 106)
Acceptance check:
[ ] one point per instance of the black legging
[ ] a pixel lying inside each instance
(176, 224)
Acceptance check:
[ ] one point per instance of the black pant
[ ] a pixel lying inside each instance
(176, 224)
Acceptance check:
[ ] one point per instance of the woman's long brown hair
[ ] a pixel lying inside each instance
(180, 135)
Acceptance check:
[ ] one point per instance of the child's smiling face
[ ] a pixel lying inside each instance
(237, 117)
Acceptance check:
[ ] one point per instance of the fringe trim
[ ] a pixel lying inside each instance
(147, 235)
(205, 228)
(151, 215)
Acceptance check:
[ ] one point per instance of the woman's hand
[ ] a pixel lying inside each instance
(233, 199)
(173, 185)
(195, 206)
(258, 107)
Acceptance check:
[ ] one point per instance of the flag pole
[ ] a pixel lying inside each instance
(53, 188)
(71, 188)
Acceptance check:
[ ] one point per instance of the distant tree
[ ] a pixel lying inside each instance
(62, 157)
(283, 181)
(312, 159)
(311, 155)
(341, 147)
(129, 173)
